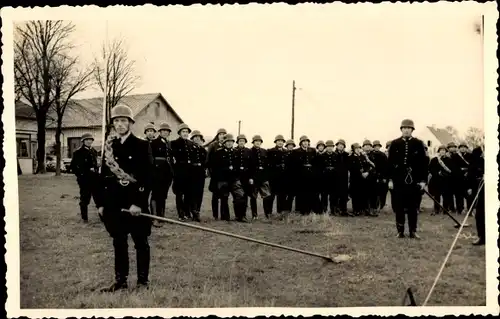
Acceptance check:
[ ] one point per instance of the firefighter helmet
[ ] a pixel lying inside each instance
(329, 143)
(149, 126)
(340, 141)
(164, 126)
(279, 137)
(241, 137)
(407, 123)
(122, 110)
(257, 138)
(183, 126)
(87, 136)
(228, 137)
(290, 142)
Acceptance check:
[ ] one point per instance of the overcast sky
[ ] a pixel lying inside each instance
(359, 69)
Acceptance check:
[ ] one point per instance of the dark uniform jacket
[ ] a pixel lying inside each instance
(224, 168)
(182, 150)
(84, 162)
(212, 149)
(341, 164)
(199, 156)
(437, 171)
(303, 160)
(242, 162)
(380, 160)
(407, 161)
(358, 165)
(277, 157)
(476, 170)
(259, 167)
(162, 156)
(326, 163)
(135, 158)
(460, 164)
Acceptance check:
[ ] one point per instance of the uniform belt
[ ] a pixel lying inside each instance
(161, 159)
(329, 167)
(260, 167)
(307, 165)
(196, 164)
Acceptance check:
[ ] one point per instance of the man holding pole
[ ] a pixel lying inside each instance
(407, 177)
(125, 180)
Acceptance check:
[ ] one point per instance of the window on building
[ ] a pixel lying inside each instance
(23, 147)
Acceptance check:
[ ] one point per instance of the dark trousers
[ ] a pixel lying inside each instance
(305, 197)
(359, 195)
(328, 197)
(184, 199)
(119, 225)
(459, 192)
(480, 217)
(290, 191)
(198, 187)
(215, 200)
(263, 188)
(405, 202)
(159, 194)
(88, 189)
(373, 192)
(278, 191)
(436, 189)
(383, 189)
(235, 189)
(340, 195)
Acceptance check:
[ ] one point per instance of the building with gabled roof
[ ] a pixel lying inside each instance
(85, 116)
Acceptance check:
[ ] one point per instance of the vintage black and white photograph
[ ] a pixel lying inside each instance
(274, 159)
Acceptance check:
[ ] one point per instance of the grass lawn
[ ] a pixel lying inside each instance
(64, 262)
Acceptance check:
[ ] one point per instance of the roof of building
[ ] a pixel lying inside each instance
(442, 135)
(88, 112)
(24, 110)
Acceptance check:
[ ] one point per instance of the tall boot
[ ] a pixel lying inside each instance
(267, 205)
(400, 223)
(253, 206)
(84, 212)
(224, 209)
(121, 265)
(215, 206)
(412, 222)
(143, 260)
(179, 203)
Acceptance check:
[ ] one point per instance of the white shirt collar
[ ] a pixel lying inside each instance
(123, 138)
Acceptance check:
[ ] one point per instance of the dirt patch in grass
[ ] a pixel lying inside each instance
(64, 262)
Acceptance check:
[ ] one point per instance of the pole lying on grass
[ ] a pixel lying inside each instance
(220, 232)
(457, 223)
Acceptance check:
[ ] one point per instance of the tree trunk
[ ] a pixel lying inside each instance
(58, 145)
(40, 135)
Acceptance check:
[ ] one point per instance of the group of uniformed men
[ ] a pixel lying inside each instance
(136, 175)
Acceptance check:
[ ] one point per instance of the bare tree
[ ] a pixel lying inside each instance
(36, 45)
(68, 80)
(114, 74)
(474, 137)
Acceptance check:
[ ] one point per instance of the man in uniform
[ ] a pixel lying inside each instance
(224, 171)
(277, 171)
(359, 170)
(150, 131)
(84, 166)
(198, 173)
(475, 176)
(259, 178)
(242, 159)
(385, 189)
(303, 159)
(126, 183)
(216, 144)
(326, 170)
(408, 176)
(163, 171)
(182, 149)
(439, 181)
(371, 180)
(290, 188)
(380, 160)
(461, 160)
(341, 179)
(321, 203)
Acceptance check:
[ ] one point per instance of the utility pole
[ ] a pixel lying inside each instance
(293, 108)
(239, 127)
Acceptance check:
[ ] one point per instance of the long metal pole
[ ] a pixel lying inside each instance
(104, 99)
(458, 224)
(220, 232)
(293, 108)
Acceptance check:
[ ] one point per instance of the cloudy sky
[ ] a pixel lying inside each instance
(359, 69)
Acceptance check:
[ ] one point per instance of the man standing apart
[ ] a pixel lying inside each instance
(408, 176)
(183, 149)
(341, 178)
(163, 172)
(84, 166)
(303, 159)
(126, 184)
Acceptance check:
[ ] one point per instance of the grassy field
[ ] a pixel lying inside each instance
(64, 262)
